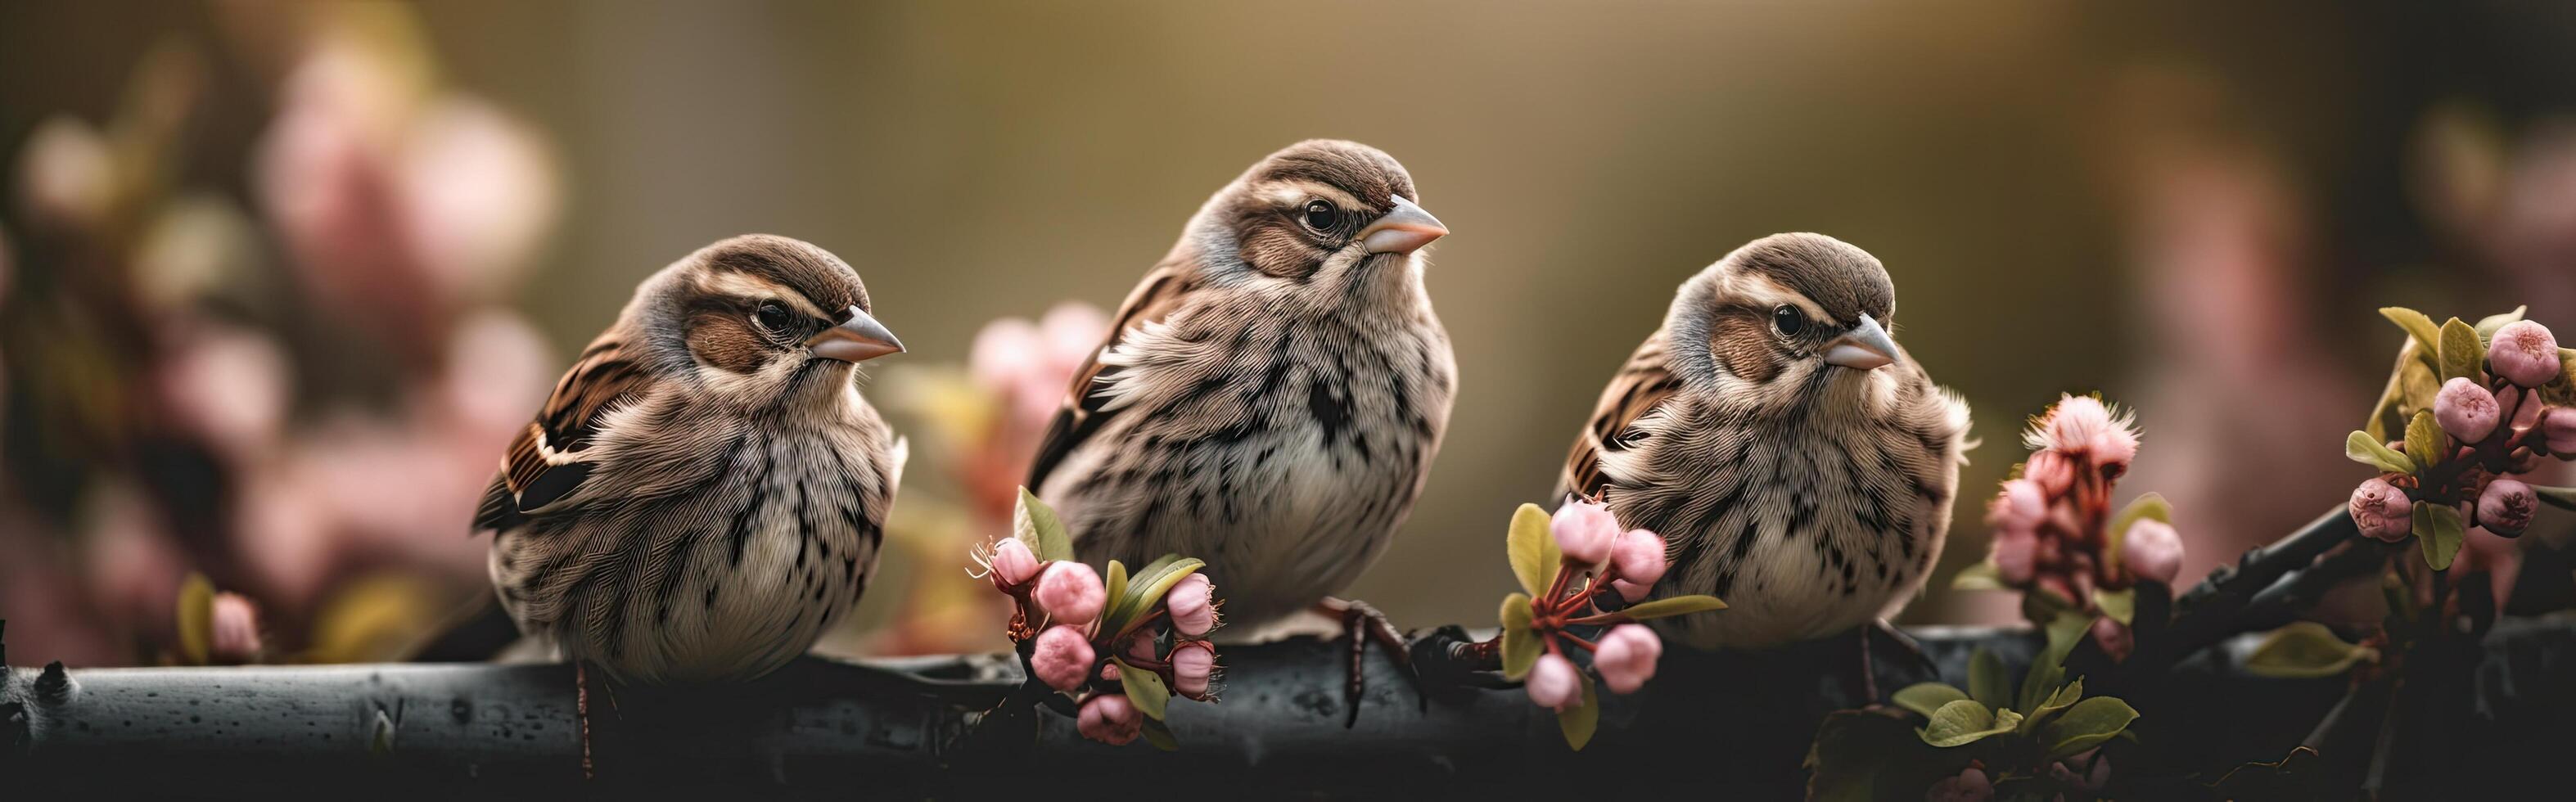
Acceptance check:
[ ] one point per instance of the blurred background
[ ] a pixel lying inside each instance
(279, 280)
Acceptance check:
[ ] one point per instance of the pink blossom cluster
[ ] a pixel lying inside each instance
(2492, 426)
(2051, 523)
(1058, 613)
(1598, 558)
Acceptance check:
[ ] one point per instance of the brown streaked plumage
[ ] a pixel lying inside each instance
(1802, 466)
(705, 490)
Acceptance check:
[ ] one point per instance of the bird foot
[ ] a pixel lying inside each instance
(1362, 623)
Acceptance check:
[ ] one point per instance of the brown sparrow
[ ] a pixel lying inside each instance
(1271, 396)
(1800, 464)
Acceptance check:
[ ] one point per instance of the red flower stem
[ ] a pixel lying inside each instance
(1587, 645)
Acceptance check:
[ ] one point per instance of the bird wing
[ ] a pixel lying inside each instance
(1084, 412)
(1642, 384)
(546, 462)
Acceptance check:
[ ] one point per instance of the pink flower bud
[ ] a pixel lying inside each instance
(1013, 563)
(2018, 506)
(1193, 605)
(2382, 511)
(236, 629)
(1109, 718)
(1970, 785)
(2016, 555)
(1071, 592)
(2466, 410)
(2558, 431)
(2505, 508)
(1192, 663)
(1062, 658)
(2525, 353)
(1639, 557)
(1584, 531)
(2152, 550)
(1626, 657)
(2052, 472)
(2117, 639)
(1553, 685)
(2081, 425)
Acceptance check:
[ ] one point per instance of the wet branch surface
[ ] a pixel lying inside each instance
(1734, 724)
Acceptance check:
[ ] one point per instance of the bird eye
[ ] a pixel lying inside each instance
(1788, 320)
(772, 317)
(1321, 216)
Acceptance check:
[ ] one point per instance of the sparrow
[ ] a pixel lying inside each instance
(1802, 466)
(1269, 399)
(705, 491)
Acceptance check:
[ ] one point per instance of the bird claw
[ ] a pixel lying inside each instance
(1362, 623)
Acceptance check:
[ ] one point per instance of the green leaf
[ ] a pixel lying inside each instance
(1157, 580)
(1579, 723)
(2420, 386)
(2461, 353)
(2416, 324)
(2048, 668)
(1964, 722)
(1036, 524)
(196, 618)
(1521, 646)
(2303, 650)
(2440, 529)
(1160, 735)
(2367, 450)
(1986, 681)
(1979, 576)
(1925, 697)
(2087, 724)
(2488, 325)
(2065, 697)
(1673, 606)
(2118, 605)
(1145, 688)
(1535, 559)
(1117, 585)
(2425, 441)
(2561, 497)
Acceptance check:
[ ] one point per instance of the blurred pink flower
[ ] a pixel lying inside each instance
(2558, 431)
(2382, 511)
(2050, 471)
(1030, 366)
(2018, 506)
(2083, 425)
(2505, 507)
(1553, 685)
(2153, 550)
(477, 197)
(134, 566)
(2466, 410)
(1192, 603)
(1013, 563)
(2525, 353)
(2116, 638)
(1193, 662)
(236, 629)
(1969, 785)
(231, 386)
(1639, 558)
(2016, 555)
(1584, 530)
(1626, 657)
(1109, 718)
(1062, 658)
(1071, 592)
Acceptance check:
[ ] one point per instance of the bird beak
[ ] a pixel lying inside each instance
(1865, 347)
(1404, 230)
(858, 339)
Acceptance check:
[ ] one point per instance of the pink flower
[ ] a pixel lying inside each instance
(1971, 785)
(1193, 605)
(2382, 511)
(236, 629)
(2083, 425)
(1109, 718)
(2466, 410)
(2019, 505)
(1553, 684)
(1626, 657)
(2152, 550)
(2558, 431)
(1013, 563)
(1062, 658)
(2016, 556)
(2505, 507)
(1071, 592)
(1192, 664)
(2525, 353)
(2117, 639)
(1639, 558)
(2052, 472)
(1584, 530)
